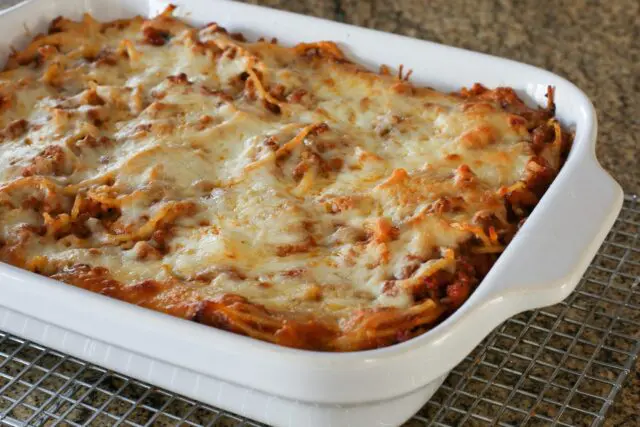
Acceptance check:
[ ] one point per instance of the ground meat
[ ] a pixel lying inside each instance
(51, 161)
(155, 37)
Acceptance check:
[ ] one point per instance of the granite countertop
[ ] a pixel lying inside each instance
(592, 43)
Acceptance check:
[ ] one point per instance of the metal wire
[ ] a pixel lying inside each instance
(561, 365)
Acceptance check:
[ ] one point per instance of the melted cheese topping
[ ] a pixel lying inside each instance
(295, 179)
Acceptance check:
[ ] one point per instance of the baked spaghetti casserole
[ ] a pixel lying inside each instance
(284, 193)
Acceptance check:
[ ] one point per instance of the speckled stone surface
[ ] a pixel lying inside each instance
(595, 44)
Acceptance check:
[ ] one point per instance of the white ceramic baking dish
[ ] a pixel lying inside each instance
(287, 387)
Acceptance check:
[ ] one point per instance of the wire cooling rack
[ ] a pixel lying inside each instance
(561, 365)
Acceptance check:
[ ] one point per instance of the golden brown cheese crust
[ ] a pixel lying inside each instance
(287, 194)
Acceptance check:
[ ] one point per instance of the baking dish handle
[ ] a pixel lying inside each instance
(550, 253)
